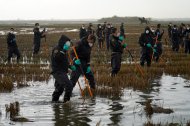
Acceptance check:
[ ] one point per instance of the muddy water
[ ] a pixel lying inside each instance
(35, 104)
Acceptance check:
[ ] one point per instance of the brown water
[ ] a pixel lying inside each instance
(35, 104)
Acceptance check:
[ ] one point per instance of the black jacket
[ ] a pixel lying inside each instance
(90, 31)
(115, 44)
(158, 34)
(108, 32)
(186, 34)
(170, 31)
(175, 34)
(83, 51)
(145, 39)
(83, 33)
(11, 41)
(37, 35)
(99, 33)
(59, 58)
(122, 31)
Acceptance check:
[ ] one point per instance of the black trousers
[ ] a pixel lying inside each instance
(76, 74)
(11, 51)
(62, 83)
(175, 45)
(36, 47)
(115, 63)
(146, 56)
(187, 46)
(158, 52)
(100, 42)
(107, 43)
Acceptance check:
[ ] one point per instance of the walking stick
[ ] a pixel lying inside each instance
(86, 82)
(138, 67)
(71, 62)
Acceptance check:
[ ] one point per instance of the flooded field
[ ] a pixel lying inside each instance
(137, 96)
(35, 104)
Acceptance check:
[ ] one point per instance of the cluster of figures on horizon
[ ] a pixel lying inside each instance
(179, 37)
(65, 57)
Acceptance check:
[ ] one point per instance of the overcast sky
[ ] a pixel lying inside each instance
(92, 9)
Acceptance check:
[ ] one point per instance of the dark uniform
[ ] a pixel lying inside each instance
(175, 39)
(170, 33)
(104, 31)
(117, 50)
(37, 39)
(90, 30)
(187, 40)
(60, 65)
(146, 52)
(158, 44)
(122, 30)
(84, 51)
(181, 34)
(108, 33)
(12, 47)
(99, 33)
(117, 46)
(83, 32)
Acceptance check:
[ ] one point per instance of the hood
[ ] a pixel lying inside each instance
(147, 28)
(63, 40)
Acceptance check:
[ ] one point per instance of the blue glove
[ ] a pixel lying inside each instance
(88, 70)
(124, 45)
(121, 38)
(155, 46)
(149, 45)
(154, 50)
(73, 67)
(77, 62)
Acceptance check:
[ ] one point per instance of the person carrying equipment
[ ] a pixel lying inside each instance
(157, 50)
(146, 42)
(81, 57)
(60, 65)
(117, 45)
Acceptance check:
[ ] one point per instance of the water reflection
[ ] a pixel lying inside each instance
(67, 114)
(116, 113)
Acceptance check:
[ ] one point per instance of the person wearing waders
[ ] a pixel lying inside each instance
(83, 50)
(37, 38)
(146, 42)
(158, 43)
(99, 33)
(83, 32)
(12, 46)
(60, 65)
(117, 45)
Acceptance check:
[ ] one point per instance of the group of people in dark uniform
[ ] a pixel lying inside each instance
(12, 45)
(79, 61)
(78, 58)
(151, 43)
(179, 37)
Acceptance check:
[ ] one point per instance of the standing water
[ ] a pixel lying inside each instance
(35, 104)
